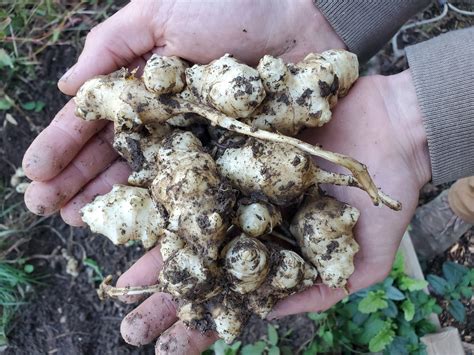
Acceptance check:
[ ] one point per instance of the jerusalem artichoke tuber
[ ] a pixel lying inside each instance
(258, 218)
(193, 193)
(323, 229)
(299, 95)
(226, 85)
(278, 172)
(213, 264)
(126, 213)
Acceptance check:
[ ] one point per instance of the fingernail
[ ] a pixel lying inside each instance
(67, 74)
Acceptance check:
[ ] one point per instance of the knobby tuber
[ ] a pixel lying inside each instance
(257, 218)
(323, 228)
(126, 213)
(233, 200)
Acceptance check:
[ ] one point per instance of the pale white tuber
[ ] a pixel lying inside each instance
(289, 274)
(185, 275)
(279, 173)
(140, 149)
(226, 85)
(193, 193)
(119, 97)
(258, 218)
(247, 263)
(228, 321)
(126, 213)
(299, 95)
(323, 229)
(164, 75)
(345, 66)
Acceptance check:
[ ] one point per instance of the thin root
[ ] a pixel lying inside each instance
(106, 290)
(326, 177)
(359, 171)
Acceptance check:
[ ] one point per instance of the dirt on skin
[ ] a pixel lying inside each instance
(64, 315)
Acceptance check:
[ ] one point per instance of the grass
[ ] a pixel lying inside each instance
(27, 29)
(16, 275)
(15, 283)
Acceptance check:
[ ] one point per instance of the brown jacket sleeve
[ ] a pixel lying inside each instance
(365, 26)
(443, 72)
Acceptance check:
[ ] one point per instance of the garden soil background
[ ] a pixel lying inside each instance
(64, 314)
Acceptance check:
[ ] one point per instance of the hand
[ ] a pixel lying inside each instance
(378, 123)
(72, 161)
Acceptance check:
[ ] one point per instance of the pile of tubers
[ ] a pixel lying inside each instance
(222, 185)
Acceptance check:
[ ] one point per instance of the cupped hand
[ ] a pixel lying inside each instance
(72, 161)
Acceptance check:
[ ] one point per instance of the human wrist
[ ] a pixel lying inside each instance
(405, 115)
(310, 30)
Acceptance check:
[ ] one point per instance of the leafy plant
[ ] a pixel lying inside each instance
(221, 348)
(456, 283)
(388, 317)
(17, 276)
(267, 345)
(35, 106)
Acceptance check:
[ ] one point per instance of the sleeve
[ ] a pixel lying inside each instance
(366, 26)
(443, 73)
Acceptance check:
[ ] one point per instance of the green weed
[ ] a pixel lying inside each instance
(456, 283)
(27, 29)
(16, 274)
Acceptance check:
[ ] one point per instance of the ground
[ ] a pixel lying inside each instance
(63, 314)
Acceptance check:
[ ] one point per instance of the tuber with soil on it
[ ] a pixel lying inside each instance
(233, 200)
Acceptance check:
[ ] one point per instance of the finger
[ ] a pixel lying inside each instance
(117, 173)
(146, 322)
(58, 144)
(114, 43)
(45, 198)
(180, 339)
(143, 273)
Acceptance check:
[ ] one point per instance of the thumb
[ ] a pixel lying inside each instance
(118, 41)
